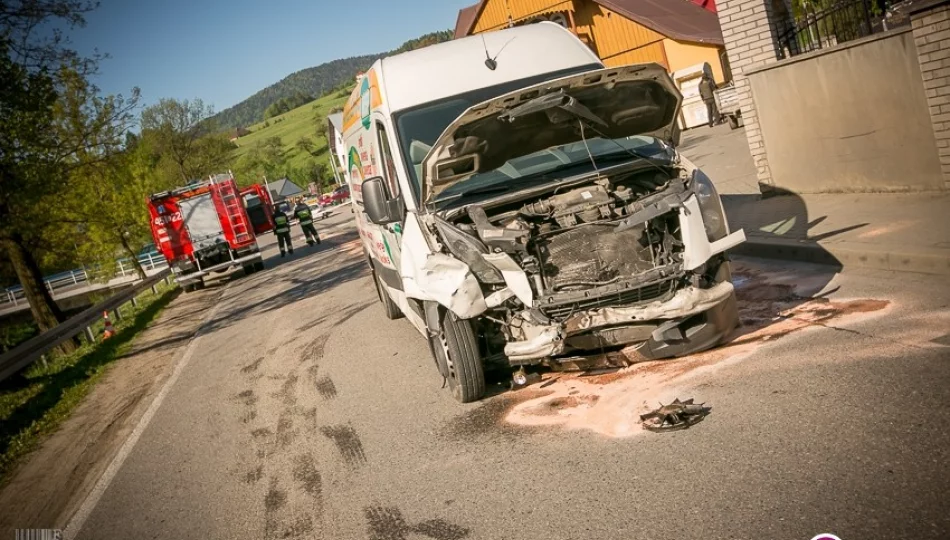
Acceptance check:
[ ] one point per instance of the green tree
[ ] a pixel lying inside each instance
(41, 141)
(310, 147)
(266, 158)
(178, 128)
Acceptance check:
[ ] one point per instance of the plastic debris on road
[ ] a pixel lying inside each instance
(675, 416)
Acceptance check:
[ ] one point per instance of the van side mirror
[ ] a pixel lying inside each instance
(377, 203)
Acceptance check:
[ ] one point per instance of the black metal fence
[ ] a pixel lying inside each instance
(820, 27)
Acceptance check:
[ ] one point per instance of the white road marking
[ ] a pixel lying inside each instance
(92, 499)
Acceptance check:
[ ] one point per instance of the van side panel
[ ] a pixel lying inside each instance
(359, 138)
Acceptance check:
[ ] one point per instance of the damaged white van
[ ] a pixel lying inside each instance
(523, 205)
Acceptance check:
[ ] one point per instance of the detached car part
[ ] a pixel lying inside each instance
(675, 416)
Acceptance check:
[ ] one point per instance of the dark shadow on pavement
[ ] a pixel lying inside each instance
(304, 281)
(778, 226)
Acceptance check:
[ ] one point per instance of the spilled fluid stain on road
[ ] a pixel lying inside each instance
(610, 404)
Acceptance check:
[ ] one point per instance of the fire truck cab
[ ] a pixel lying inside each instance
(204, 228)
(259, 207)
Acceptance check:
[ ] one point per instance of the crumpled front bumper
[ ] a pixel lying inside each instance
(692, 320)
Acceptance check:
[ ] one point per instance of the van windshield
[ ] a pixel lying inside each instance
(417, 129)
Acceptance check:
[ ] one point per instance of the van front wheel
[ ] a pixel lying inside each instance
(392, 310)
(466, 375)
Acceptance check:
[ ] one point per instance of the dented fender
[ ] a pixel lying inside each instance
(436, 277)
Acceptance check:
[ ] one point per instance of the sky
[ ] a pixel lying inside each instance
(222, 51)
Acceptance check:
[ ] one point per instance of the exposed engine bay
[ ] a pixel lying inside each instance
(588, 269)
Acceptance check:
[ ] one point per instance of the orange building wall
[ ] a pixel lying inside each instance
(495, 14)
(682, 55)
(616, 39)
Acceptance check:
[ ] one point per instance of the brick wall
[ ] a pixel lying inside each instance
(931, 26)
(750, 43)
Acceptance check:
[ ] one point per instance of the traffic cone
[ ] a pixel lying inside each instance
(109, 332)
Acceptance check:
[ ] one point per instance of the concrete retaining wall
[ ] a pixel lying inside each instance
(853, 118)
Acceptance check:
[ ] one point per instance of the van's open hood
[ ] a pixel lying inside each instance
(616, 102)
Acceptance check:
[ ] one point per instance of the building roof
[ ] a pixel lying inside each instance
(708, 5)
(336, 124)
(336, 120)
(681, 20)
(283, 188)
(466, 20)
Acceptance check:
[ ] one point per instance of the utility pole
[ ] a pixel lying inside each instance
(336, 170)
(267, 187)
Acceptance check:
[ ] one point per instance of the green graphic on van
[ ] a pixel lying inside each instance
(365, 104)
(355, 164)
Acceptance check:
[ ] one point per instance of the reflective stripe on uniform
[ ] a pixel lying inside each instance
(308, 222)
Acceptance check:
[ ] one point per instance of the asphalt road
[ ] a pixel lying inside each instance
(304, 413)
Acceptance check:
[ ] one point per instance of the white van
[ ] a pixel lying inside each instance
(523, 205)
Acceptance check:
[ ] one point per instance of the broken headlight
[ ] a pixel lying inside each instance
(469, 250)
(710, 206)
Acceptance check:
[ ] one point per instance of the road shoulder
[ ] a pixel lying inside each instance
(63, 470)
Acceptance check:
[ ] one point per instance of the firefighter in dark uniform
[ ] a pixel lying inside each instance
(282, 230)
(305, 217)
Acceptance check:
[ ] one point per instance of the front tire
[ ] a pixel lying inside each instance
(462, 359)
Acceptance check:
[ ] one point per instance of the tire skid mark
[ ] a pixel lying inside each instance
(252, 367)
(307, 476)
(388, 523)
(327, 388)
(310, 418)
(288, 391)
(247, 397)
(252, 477)
(347, 442)
(312, 372)
(285, 430)
(274, 500)
(261, 432)
(314, 350)
(300, 528)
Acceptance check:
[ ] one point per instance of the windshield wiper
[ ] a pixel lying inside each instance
(538, 177)
(494, 188)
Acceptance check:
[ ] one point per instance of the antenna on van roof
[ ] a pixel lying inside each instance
(491, 63)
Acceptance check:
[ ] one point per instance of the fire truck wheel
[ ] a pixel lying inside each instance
(259, 266)
(188, 288)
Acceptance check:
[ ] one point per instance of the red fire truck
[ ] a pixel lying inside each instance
(204, 228)
(259, 207)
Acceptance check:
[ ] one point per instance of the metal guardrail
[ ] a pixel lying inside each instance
(65, 280)
(30, 351)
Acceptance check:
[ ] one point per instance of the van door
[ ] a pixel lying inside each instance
(387, 246)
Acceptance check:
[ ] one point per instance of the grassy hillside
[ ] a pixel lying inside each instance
(272, 148)
(306, 121)
(315, 81)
